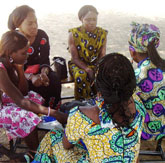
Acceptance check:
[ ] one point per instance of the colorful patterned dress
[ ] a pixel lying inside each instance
(151, 90)
(18, 122)
(93, 142)
(88, 47)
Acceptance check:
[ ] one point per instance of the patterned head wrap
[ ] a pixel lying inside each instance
(142, 35)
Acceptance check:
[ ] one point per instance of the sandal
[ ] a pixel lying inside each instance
(29, 156)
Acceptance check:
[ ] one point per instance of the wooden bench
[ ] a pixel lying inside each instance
(68, 80)
(157, 152)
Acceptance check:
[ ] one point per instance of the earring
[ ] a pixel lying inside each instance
(132, 61)
(11, 60)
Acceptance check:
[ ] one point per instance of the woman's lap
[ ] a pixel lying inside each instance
(18, 122)
(53, 90)
(82, 83)
(51, 149)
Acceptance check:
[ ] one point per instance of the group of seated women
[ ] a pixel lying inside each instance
(127, 105)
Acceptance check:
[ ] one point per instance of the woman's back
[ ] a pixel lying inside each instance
(109, 131)
(105, 142)
(151, 89)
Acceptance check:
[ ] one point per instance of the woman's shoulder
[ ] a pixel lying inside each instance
(139, 104)
(90, 112)
(102, 29)
(42, 34)
(41, 31)
(75, 29)
(145, 69)
(41, 38)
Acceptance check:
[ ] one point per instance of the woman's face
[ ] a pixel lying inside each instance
(89, 21)
(29, 26)
(20, 56)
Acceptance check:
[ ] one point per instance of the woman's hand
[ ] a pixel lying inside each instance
(45, 70)
(60, 116)
(40, 80)
(90, 73)
(36, 80)
(44, 79)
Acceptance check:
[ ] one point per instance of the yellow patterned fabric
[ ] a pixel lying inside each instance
(88, 46)
(92, 143)
(51, 150)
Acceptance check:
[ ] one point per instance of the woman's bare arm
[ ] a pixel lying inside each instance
(14, 93)
(22, 83)
(90, 112)
(66, 143)
(74, 54)
(103, 49)
(75, 57)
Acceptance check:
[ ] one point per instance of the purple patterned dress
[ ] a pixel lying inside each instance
(151, 90)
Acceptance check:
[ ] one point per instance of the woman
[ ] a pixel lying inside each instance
(110, 130)
(87, 44)
(18, 113)
(150, 75)
(40, 77)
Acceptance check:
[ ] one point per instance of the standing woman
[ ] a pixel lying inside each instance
(19, 108)
(150, 77)
(87, 44)
(40, 77)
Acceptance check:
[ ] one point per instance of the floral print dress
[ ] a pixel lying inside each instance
(16, 121)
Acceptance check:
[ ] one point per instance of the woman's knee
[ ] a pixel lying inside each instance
(80, 76)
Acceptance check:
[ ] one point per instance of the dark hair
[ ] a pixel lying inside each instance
(18, 16)
(154, 57)
(116, 82)
(12, 41)
(85, 9)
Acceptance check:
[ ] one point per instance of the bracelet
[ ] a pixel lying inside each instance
(48, 111)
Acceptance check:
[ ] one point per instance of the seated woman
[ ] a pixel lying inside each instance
(110, 130)
(18, 113)
(150, 77)
(41, 78)
(87, 44)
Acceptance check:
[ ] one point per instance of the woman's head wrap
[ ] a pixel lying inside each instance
(142, 35)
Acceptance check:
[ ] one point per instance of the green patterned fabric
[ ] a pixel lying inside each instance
(92, 142)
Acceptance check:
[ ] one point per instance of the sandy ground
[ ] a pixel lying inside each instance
(118, 26)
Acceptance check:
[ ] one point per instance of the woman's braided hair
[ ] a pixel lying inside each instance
(116, 82)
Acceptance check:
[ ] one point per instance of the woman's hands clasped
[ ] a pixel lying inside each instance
(40, 80)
